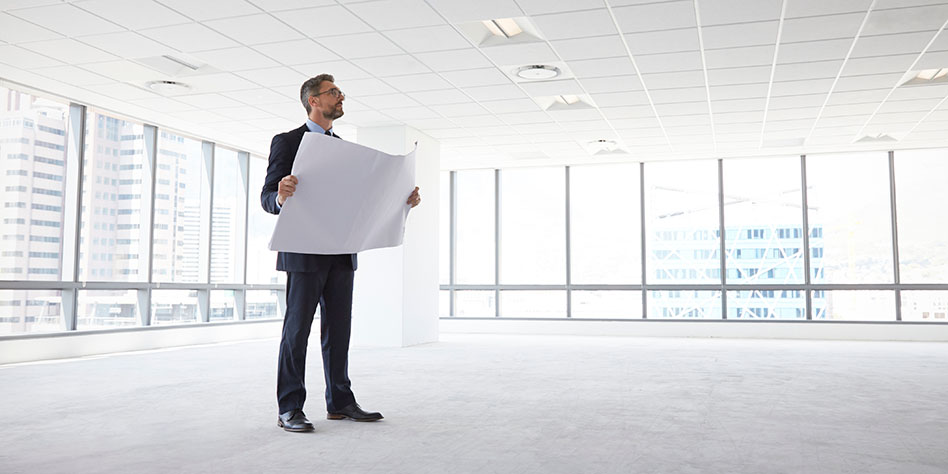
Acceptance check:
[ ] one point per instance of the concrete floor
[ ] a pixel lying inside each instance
(494, 404)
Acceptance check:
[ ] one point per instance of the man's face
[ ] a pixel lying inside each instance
(328, 101)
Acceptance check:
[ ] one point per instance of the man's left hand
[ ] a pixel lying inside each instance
(415, 198)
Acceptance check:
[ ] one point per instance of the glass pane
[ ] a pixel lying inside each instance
(921, 194)
(684, 304)
(444, 230)
(533, 304)
(854, 305)
(33, 133)
(263, 304)
(766, 304)
(223, 305)
(475, 227)
(31, 311)
(113, 243)
(444, 303)
(174, 307)
(104, 309)
(681, 208)
(607, 304)
(475, 304)
(763, 221)
(925, 306)
(533, 226)
(605, 231)
(226, 219)
(261, 261)
(180, 179)
(849, 217)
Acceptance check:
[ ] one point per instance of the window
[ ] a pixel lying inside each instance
(261, 261)
(921, 195)
(30, 311)
(105, 309)
(475, 233)
(444, 230)
(533, 226)
(227, 218)
(174, 307)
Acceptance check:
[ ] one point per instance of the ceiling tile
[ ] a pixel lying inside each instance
(15, 30)
(741, 91)
(813, 51)
(551, 88)
(683, 108)
(333, 20)
(904, 20)
(880, 65)
(739, 57)
(454, 60)
(656, 16)
(521, 54)
(280, 5)
(361, 45)
(396, 14)
(602, 67)
(590, 48)
(243, 112)
(674, 80)
(366, 87)
(798, 8)
(388, 101)
(682, 94)
(525, 117)
(127, 44)
(200, 116)
(418, 82)
(447, 96)
(635, 111)
(257, 97)
(476, 77)
(874, 81)
(932, 60)
(802, 100)
(456, 11)
(120, 91)
(213, 9)
(575, 25)
(69, 51)
(663, 41)
(821, 27)
(73, 75)
(222, 82)
(291, 110)
(162, 104)
(291, 53)
(540, 7)
(134, 15)
(67, 19)
(738, 105)
(342, 70)
(189, 37)
(459, 110)
(510, 106)
(611, 84)
(236, 59)
(254, 29)
(859, 96)
(746, 34)
(619, 99)
(800, 87)
(498, 92)
(668, 62)
(273, 76)
(412, 113)
(396, 65)
(433, 38)
(123, 71)
(24, 59)
(810, 70)
(571, 117)
(882, 45)
(722, 12)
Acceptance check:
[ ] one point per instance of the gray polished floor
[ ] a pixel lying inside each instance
(494, 404)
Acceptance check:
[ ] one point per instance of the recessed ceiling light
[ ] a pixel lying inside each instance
(168, 87)
(566, 99)
(505, 27)
(882, 137)
(927, 76)
(538, 71)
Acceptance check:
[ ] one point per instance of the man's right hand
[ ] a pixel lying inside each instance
(287, 187)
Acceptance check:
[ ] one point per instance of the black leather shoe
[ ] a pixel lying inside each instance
(294, 420)
(354, 412)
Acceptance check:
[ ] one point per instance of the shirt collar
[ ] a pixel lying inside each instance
(314, 127)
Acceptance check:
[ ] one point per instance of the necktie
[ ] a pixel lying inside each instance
(332, 134)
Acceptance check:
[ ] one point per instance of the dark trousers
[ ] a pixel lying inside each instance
(331, 288)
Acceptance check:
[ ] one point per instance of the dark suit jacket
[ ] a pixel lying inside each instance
(283, 150)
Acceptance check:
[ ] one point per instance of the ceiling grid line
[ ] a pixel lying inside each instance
(707, 83)
(773, 71)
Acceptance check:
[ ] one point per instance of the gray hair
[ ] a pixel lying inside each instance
(311, 87)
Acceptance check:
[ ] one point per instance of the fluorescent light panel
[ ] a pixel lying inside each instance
(505, 27)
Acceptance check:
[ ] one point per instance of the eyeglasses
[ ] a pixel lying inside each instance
(334, 92)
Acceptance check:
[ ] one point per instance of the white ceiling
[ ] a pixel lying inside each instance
(663, 79)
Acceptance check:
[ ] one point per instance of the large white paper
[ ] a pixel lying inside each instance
(349, 198)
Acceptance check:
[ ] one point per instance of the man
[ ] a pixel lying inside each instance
(311, 279)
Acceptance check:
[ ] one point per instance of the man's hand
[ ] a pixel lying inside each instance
(414, 199)
(287, 187)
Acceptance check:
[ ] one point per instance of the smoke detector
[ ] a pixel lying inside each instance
(168, 87)
(537, 72)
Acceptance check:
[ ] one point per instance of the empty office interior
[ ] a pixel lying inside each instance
(654, 236)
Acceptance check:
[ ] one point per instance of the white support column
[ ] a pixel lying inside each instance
(396, 289)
